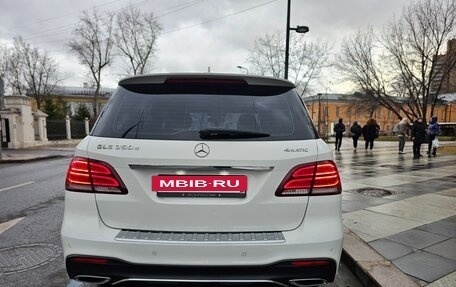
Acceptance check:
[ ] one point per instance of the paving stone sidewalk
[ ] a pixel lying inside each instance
(403, 208)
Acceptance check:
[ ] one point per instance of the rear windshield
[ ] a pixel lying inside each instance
(184, 116)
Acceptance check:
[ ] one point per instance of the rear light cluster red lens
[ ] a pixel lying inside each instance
(206, 81)
(88, 175)
(320, 178)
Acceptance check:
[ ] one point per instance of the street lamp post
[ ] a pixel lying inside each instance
(243, 68)
(298, 29)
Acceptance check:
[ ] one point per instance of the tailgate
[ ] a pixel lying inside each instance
(262, 165)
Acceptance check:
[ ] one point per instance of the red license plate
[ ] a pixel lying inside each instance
(200, 185)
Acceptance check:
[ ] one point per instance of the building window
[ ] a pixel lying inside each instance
(337, 112)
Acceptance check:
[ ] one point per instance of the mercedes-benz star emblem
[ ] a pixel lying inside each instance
(201, 150)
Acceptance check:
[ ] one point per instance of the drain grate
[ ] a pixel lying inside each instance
(25, 257)
(376, 192)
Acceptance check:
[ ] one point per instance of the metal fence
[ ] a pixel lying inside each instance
(56, 130)
(77, 129)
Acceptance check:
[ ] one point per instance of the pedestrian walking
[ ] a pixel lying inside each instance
(355, 133)
(402, 129)
(339, 129)
(433, 132)
(418, 137)
(370, 133)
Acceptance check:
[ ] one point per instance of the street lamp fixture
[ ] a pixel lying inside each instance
(244, 68)
(298, 29)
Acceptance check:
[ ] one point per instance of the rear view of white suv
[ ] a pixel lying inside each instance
(203, 179)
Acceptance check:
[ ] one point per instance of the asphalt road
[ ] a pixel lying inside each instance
(31, 212)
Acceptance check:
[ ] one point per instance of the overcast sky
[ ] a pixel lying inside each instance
(215, 33)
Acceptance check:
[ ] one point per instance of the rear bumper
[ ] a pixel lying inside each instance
(120, 272)
(318, 238)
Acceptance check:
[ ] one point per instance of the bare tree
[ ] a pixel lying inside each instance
(11, 69)
(403, 68)
(4, 56)
(92, 42)
(28, 70)
(135, 38)
(307, 59)
(39, 70)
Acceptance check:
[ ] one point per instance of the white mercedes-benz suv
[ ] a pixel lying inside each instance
(203, 179)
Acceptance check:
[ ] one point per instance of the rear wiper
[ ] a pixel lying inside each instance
(229, 134)
(136, 125)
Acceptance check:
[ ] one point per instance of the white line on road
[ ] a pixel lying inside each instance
(7, 225)
(17, 185)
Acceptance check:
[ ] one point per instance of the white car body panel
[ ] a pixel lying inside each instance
(260, 211)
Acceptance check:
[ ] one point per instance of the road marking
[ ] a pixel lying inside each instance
(7, 225)
(17, 185)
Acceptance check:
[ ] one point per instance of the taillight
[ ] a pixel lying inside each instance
(320, 178)
(88, 175)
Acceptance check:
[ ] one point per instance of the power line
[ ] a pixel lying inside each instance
(191, 26)
(218, 18)
(60, 16)
(65, 28)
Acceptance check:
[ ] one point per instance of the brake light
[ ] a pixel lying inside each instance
(206, 81)
(88, 175)
(320, 178)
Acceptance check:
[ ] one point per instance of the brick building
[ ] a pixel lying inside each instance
(326, 109)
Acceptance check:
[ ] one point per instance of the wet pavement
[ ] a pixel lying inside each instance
(409, 213)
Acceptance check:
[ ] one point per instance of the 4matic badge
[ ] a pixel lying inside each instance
(296, 150)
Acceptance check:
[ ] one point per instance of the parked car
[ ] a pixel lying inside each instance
(203, 178)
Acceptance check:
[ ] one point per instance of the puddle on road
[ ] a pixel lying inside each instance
(375, 192)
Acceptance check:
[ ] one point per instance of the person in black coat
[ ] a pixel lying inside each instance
(418, 137)
(355, 133)
(339, 129)
(370, 132)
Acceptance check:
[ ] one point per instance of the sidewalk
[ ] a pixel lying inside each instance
(399, 214)
(53, 150)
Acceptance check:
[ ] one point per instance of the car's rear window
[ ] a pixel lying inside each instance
(182, 116)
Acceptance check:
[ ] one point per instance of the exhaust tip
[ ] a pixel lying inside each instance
(92, 279)
(307, 282)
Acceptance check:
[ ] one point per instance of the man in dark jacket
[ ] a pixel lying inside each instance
(339, 129)
(418, 137)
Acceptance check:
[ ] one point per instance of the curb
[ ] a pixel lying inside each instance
(6, 161)
(371, 268)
